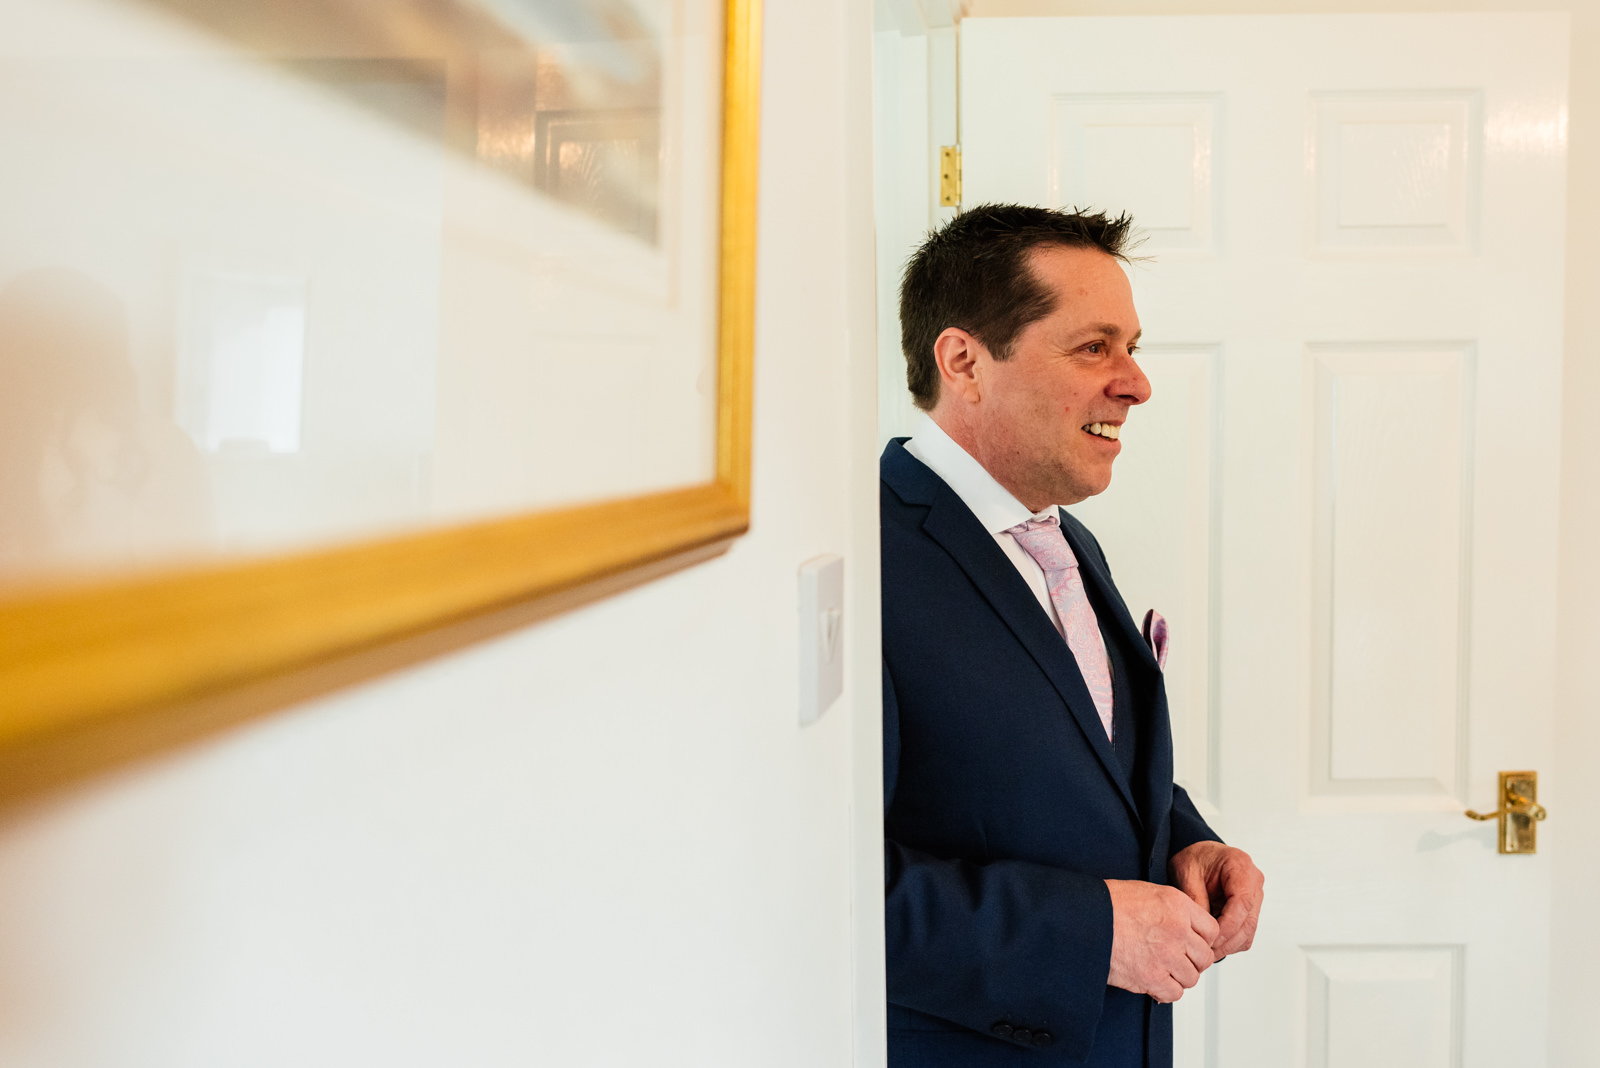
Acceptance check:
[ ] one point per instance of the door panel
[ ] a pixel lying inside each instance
(1343, 492)
(1150, 151)
(1392, 469)
(1384, 1005)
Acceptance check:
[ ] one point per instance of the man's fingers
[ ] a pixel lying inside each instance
(1236, 926)
(1193, 883)
(1203, 924)
(1199, 953)
(1162, 939)
(1167, 992)
(1186, 974)
(1240, 939)
(1230, 923)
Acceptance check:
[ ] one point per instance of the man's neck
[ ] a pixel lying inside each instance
(963, 434)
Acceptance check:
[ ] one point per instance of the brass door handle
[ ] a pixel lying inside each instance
(1518, 812)
(1518, 804)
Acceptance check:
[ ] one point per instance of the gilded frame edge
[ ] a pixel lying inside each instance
(70, 657)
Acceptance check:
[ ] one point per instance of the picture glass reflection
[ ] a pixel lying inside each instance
(276, 275)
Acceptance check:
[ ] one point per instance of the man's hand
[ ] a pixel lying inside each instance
(1160, 941)
(1224, 881)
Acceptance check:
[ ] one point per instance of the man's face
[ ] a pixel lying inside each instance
(1046, 420)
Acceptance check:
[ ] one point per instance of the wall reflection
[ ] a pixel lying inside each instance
(562, 95)
(89, 473)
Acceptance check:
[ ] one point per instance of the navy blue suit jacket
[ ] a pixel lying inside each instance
(1005, 806)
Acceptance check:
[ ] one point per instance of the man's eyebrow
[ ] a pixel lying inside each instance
(1110, 330)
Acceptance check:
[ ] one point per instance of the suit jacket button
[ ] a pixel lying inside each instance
(1041, 1039)
(1001, 1030)
(1023, 1035)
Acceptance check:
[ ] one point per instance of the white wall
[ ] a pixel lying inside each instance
(1570, 788)
(602, 839)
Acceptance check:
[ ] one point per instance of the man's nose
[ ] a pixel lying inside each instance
(1131, 385)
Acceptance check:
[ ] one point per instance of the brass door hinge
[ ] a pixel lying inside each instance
(950, 176)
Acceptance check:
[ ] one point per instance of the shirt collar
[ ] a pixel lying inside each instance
(991, 502)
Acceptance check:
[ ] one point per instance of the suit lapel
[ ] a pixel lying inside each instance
(1147, 692)
(957, 530)
(1099, 580)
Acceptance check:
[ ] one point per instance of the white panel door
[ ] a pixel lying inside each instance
(1343, 493)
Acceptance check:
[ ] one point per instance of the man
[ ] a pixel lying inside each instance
(1049, 890)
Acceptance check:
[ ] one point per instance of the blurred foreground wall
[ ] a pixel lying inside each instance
(601, 838)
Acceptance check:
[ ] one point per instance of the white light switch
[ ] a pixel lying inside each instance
(821, 635)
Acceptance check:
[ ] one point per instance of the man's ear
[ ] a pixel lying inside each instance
(956, 352)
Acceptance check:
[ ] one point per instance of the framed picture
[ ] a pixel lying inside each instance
(322, 324)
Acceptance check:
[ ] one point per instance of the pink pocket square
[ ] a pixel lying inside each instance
(1155, 636)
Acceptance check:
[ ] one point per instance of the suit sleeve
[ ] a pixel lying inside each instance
(1007, 941)
(1188, 826)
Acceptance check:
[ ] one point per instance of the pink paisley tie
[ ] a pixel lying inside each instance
(1042, 539)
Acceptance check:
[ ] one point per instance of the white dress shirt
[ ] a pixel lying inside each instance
(991, 502)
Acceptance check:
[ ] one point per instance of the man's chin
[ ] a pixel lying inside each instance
(1082, 486)
(1067, 500)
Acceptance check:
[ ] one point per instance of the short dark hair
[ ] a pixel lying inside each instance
(973, 274)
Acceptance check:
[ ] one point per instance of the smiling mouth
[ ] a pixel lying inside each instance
(1109, 431)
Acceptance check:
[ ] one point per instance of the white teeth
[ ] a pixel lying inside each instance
(1104, 430)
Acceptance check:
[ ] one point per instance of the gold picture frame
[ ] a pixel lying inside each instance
(72, 657)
